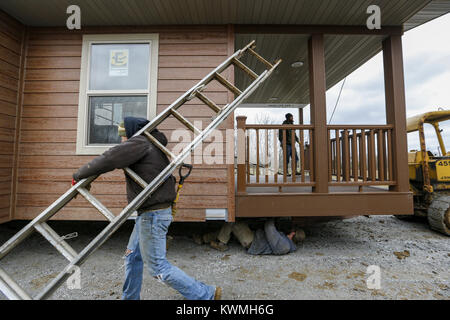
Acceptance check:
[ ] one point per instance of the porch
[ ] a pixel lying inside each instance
(360, 171)
(342, 170)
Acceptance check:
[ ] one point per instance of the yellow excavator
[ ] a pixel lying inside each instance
(429, 174)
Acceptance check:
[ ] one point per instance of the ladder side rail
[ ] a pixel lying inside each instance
(7, 291)
(44, 216)
(151, 187)
(11, 289)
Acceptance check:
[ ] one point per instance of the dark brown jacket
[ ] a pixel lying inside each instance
(141, 156)
(288, 134)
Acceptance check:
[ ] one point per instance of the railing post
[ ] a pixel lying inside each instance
(241, 175)
(396, 110)
(317, 98)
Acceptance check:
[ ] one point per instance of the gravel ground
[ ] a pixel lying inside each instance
(330, 264)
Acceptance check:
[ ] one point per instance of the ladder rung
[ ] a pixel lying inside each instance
(133, 175)
(184, 121)
(159, 145)
(97, 204)
(11, 289)
(267, 63)
(208, 102)
(62, 246)
(227, 84)
(249, 71)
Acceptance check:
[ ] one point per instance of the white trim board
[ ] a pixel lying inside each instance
(153, 39)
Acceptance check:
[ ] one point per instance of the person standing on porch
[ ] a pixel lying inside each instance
(147, 242)
(289, 120)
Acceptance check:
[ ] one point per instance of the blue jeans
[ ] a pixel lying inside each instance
(148, 243)
(134, 266)
(289, 155)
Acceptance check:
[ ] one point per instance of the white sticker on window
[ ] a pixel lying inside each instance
(118, 63)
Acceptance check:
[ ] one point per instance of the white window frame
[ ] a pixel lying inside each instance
(152, 39)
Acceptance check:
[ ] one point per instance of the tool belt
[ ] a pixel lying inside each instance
(180, 185)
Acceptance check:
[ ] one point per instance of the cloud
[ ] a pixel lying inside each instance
(419, 66)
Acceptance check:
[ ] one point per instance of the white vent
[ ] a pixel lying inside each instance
(216, 214)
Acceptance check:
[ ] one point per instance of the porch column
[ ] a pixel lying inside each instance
(241, 183)
(317, 100)
(396, 110)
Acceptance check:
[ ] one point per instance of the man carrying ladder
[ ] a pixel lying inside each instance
(148, 240)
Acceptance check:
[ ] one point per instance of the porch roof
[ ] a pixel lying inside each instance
(156, 12)
(343, 53)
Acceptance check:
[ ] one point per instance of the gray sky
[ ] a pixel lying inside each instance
(426, 53)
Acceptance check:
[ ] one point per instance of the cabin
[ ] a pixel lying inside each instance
(63, 92)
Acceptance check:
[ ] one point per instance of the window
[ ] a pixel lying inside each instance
(118, 79)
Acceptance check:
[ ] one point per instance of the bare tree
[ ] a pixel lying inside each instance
(264, 146)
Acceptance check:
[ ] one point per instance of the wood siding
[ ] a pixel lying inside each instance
(11, 39)
(47, 156)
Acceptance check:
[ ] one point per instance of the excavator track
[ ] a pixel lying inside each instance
(439, 213)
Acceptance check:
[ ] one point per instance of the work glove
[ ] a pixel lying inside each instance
(74, 182)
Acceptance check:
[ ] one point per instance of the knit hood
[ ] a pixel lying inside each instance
(133, 125)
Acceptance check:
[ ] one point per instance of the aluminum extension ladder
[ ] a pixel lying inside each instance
(13, 291)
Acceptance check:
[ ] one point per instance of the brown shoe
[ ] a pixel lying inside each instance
(218, 245)
(218, 293)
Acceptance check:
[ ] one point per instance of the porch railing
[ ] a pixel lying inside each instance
(360, 155)
(262, 155)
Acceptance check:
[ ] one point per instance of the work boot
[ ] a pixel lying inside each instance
(243, 233)
(218, 246)
(218, 293)
(225, 232)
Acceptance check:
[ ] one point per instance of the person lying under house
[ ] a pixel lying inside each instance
(261, 242)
